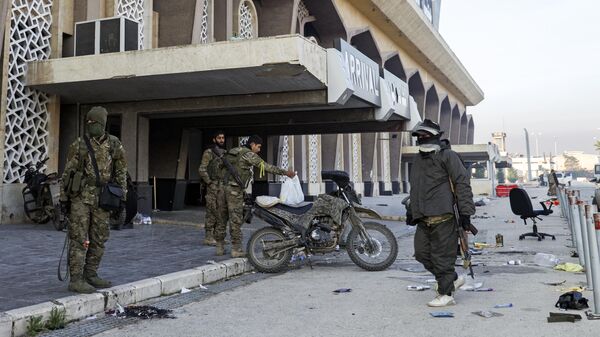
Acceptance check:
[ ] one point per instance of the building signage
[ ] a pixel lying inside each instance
(398, 91)
(362, 71)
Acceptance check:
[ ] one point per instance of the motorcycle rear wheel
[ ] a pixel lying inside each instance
(255, 248)
(40, 209)
(384, 252)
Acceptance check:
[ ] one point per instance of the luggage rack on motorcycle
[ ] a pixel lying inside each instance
(341, 178)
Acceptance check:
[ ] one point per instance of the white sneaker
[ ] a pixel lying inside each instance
(459, 282)
(441, 301)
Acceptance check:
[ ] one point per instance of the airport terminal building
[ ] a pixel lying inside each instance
(328, 84)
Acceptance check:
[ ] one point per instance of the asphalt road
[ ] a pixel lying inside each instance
(301, 302)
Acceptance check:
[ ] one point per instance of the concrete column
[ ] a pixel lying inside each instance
(395, 150)
(329, 156)
(53, 133)
(352, 160)
(142, 165)
(96, 9)
(149, 24)
(129, 133)
(313, 146)
(385, 176)
(368, 157)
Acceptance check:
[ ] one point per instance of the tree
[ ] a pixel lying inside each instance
(572, 163)
(501, 176)
(512, 175)
(597, 145)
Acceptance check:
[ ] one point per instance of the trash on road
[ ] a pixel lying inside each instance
(141, 311)
(202, 287)
(480, 289)
(91, 318)
(185, 290)
(413, 287)
(572, 300)
(342, 290)
(480, 245)
(474, 251)
(545, 260)
(414, 269)
(509, 221)
(555, 283)
(570, 267)
(499, 240)
(513, 262)
(487, 314)
(503, 305)
(555, 317)
(442, 314)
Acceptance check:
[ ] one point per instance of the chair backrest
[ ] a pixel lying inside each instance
(520, 203)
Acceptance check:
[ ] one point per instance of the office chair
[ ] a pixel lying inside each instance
(521, 206)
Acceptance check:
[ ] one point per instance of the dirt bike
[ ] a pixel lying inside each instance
(40, 195)
(317, 228)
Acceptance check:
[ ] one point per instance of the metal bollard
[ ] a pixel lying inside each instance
(594, 263)
(576, 224)
(585, 216)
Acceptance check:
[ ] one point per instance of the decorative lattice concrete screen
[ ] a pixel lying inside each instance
(26, 109)
(246, 21)
(134, 10)
(204, 24)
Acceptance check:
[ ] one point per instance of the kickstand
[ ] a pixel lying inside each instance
(309, 262)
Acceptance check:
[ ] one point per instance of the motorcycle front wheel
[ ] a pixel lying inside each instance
(256, 253)
(378, 255)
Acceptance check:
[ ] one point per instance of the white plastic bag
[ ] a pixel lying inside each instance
(291, 192)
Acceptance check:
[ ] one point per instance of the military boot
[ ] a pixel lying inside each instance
(78, 285)
(220, 248)
(209, 239)
(237, 251)
(93, 279)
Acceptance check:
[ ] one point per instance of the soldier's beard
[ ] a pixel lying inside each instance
(222, 146)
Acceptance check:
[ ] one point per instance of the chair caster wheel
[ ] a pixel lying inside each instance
(553, 238)
(539, 239)
(521, 238)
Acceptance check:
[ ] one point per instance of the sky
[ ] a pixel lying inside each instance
(538, 64)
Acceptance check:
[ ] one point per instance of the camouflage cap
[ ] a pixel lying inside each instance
(98, 114)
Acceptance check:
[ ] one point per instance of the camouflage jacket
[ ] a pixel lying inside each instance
(248, 161)
(204, 170)
(110, 157)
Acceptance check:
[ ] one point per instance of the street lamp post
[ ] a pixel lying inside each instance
(528, 156)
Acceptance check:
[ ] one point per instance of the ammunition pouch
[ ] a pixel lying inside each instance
(111, 197)
(74, 185)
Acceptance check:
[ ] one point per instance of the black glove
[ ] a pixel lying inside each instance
(465, 222)
(65, 207)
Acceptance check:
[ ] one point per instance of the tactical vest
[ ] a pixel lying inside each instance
(214, 169)
(234, 157)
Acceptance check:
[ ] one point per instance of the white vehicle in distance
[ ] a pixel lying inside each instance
(564, 178)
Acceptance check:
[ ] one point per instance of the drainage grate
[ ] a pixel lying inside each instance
(87, 328)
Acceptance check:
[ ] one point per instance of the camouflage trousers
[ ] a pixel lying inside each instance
(235, 207)
(88, 223)
(216, 210)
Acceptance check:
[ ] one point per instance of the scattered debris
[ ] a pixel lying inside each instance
(342, 290)
(414, 269)
(509, 221)
(480, 245)
(185, 290)
(480, 217)
(442, 314)
(513, 262)
(141, 311)
(555, 317)
(545, 260)
(487, 314)
(499, 240)
(555, 283)
(382, 204)
(90, 318)
(574, 254)
(413, 287)
(474, 251)
(471, 286)
(202, 287)
(570, 267)
(503, 305)
(572, 300)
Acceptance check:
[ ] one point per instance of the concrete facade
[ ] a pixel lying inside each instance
(264, 67)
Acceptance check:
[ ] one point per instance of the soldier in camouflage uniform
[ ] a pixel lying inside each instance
(243, 159)
(89, 226)
(211, 174)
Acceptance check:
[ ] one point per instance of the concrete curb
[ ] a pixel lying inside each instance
(13, 323)
(176, 222)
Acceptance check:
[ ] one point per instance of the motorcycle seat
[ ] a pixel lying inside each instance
(296, 209)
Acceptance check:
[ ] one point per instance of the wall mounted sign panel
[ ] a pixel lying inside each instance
(398, 91)
(362, 71)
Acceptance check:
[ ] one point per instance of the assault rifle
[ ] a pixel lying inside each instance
(462, 234)
(234, 173)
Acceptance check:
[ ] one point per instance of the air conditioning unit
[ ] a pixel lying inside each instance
(108, 35)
